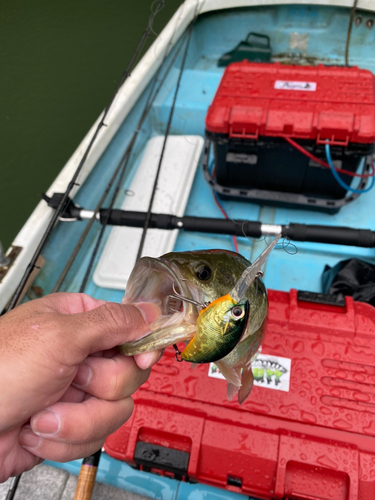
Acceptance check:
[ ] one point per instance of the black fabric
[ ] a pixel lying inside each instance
(351, 277)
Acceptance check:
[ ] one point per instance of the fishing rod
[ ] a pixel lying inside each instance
(171, 113)
(90, 464)
(120, 170)
(84, 492)
(334, 235)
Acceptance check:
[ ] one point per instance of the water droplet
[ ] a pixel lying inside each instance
(342, 424)
(335, 392)
(302, 394)
(325, 410)
(341, 374)
(190, 386)
(167, 389)
(303, 456)
(308, 417)
(298, 346)
(289, 409)
(306, 384)
(327, 462)
(361, 396)
(318, 348)
(370, 430)
(257, 407)
(313, 374)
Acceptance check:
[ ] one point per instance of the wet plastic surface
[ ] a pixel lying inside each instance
(257, 105)
(313, 438)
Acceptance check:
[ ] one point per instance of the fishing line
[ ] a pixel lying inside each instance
(125, 158)
(352, 14)
(65, 198)
(148, 214)
(286, 243)
(221, 208)
(149, 103)
(120, 180)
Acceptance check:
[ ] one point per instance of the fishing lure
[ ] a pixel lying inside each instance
(222, 323)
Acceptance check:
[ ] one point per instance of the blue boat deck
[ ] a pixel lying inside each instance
(213, 35)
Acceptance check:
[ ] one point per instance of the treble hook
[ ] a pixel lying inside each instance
(186, 299)
(178, 353)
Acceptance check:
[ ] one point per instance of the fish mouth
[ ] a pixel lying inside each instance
(158, 281)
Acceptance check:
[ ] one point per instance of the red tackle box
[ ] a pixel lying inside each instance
(258, 105)
(307, 430)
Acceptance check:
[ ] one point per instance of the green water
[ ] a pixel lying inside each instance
(60, 62)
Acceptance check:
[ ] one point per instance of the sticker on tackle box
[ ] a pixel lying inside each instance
(270, 372)
(288, 85)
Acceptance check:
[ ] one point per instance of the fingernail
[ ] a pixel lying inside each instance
(84, 375)
(47, 422)
(28, 439)
(149, 311)
(148, 359)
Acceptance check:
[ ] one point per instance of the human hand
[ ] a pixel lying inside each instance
(64, 386)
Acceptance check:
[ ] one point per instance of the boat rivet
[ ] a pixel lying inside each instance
(358, 20)
(369, 23)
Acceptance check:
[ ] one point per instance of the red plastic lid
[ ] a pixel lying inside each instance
(307, 430)
(305, 102)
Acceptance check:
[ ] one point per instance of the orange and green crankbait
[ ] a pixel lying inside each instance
(221, 324)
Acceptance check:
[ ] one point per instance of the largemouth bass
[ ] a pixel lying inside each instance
(214, 300)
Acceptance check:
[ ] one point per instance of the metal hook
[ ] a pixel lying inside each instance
(185, 299)
(178, 353)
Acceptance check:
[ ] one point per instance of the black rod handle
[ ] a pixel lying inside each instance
(333, 235)
(330, 234)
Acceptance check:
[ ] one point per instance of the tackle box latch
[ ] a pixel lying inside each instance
(154, 457)
(244, 122)
(243, 134)
(332, 141)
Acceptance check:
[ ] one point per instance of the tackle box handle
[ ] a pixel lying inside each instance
(259, 35)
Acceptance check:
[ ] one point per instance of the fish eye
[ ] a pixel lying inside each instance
(204, 273)
(237, 312)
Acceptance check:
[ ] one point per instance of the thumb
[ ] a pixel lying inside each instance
(110, 325)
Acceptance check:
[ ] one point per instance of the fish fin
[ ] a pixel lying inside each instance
(232, 390)
(231, 375)
(247, 381)
(159, 339)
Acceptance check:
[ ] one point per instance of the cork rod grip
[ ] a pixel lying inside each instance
(86, 478)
